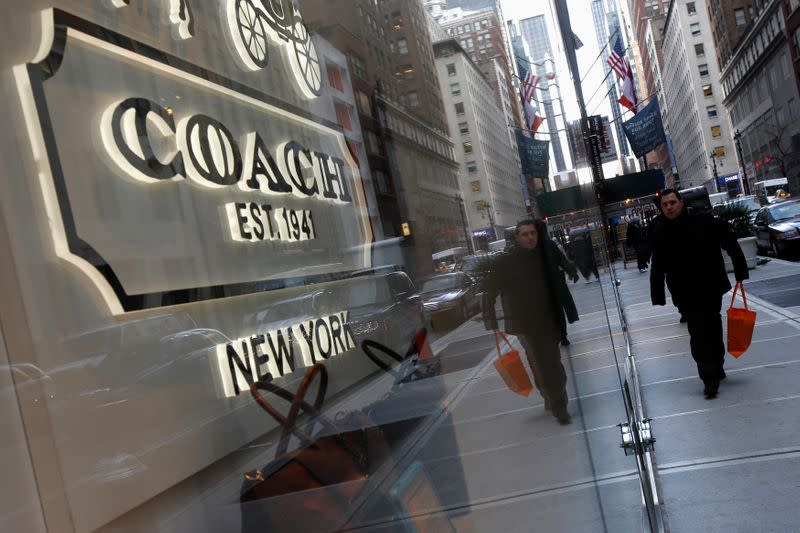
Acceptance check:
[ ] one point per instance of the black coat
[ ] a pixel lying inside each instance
(687, 252)
(510, 278)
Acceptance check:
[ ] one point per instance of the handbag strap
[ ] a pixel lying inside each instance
(297, 403)
(369, 346)
(497, 335)
(739, 285)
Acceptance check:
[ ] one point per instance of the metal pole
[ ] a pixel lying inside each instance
(591, 139)
(713, 157)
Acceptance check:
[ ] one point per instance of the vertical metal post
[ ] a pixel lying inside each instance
(592, 141)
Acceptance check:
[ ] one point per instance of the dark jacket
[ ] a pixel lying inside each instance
(636, 235)
(510, 278)
(687, 252)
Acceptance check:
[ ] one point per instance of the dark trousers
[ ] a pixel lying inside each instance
(705, 329)
(641, 256)
(549, 376)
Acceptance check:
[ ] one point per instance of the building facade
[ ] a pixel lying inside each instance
(761, 94)
(482, 35)
(489, 162)
(702, 137)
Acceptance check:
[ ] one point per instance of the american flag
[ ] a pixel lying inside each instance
(617, 59)
(528, 82)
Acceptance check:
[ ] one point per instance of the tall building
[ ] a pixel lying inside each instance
(482, 35)
(703, 139)
(489, 173)
(729, 20)
(537, 36)
(472, 5)
(607, 29)
(409, 156)
(762, 97)
(411, 56)
(648, 19)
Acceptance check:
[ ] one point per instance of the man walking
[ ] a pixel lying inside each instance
(687, 251)
(532, 288)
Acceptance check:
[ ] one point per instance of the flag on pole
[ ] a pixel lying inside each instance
(551, 76)
(617, 59)
(532, 118)
(577, 40)
(619, 64)
(527, 81)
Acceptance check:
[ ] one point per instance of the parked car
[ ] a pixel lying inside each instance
(450, 298)
(778, 228)
(477, 266)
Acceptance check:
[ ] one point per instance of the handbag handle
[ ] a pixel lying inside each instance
(297, 403)
(368, 345)
(497, 335)
(739, 285)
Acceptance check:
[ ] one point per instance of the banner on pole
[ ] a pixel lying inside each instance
(534, 155)
(645, 131)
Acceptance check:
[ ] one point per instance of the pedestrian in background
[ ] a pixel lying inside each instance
(531, 286)
(568, 310)
(687, 252)
(583, 251)
(636, 238)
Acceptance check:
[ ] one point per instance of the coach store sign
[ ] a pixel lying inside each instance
(167, 183)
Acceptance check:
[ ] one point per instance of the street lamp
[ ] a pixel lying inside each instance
(737, 137)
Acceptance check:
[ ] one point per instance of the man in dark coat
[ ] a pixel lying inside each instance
(636, 238)
(568, 308)
(532, 290)
(687, 252)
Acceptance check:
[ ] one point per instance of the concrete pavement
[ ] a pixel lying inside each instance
(731, 464)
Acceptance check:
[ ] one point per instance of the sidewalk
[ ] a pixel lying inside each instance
(731, 464)
(502, 464)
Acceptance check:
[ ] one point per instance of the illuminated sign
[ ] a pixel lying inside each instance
(272, 355)
(166, 188)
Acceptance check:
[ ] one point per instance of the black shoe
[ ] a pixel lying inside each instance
(565, 342)
(562, 415)
(711, 389)
(723, 376)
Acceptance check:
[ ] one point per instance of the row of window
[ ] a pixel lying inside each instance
(467, 28)
(755, 48)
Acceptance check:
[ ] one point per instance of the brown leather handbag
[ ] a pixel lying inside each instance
(329, 468)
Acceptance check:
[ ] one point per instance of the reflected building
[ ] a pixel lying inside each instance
(408, 151)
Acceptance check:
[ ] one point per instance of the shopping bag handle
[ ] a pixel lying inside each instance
(739, 285)
(497, 335)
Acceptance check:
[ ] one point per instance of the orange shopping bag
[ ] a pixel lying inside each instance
(741, 323)
(511, 368)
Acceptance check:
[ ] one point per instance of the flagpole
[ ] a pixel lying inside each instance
(591, 139)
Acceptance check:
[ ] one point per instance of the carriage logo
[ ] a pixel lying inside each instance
(254, 24)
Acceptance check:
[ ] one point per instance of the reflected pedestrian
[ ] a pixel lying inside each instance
(583, 250)
(568, 310)
(531, 286)
(687, 252)
(636, 238)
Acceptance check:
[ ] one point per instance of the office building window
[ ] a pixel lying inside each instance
(459, 108)
(343, 116)
(402, 46)
(463, 127)
(691, 8)
(719, 151)
(455, 89)
(740, 17)
(703, 69)
(468, 147)
(412, 99)
(711, 110)
(716, 131)
(335, 77)
(708, 90)
(451, 69)
(472, 167)
(695, 28)
(699, 50)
